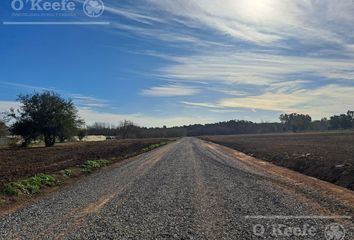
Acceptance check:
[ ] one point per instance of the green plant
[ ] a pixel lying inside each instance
(11, 189)
(30, 185)
(46, 179)
(153, 146)
(91, 165)
(68, 172)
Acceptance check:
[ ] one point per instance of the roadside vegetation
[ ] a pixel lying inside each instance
(32, 185)
(153, 146)
(21, 163)
(91, 165)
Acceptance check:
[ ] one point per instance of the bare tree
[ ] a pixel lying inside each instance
(126, 127)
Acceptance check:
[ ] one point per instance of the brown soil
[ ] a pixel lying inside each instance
(327, 156)
(20, 163)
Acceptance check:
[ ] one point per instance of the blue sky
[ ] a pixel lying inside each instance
(175, 62)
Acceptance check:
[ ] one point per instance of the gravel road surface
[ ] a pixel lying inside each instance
(189, 189)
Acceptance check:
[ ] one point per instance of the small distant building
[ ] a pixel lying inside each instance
(10, 140)
(92, 138)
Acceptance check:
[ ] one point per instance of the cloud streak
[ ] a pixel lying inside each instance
(320, 102)
(267, 21)
(170, 91)
(92, 116)
(255, 68)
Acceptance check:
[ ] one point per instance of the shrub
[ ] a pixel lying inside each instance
(153, 146)
(30, 185)
(91, 165)
(11, 189)
(68, 172)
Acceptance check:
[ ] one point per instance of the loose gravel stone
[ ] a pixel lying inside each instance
(185, 190)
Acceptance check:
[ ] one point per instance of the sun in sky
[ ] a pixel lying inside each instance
(164, 62)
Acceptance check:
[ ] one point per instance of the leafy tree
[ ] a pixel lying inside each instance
(320, 125)
(343, 121)
(295, 121)
(45, 115)
(26, 129)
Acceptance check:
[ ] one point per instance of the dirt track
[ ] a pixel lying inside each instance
(189, 189)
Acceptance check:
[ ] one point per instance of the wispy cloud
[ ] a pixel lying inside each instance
(276, 55)
(132, 14)
(89, 102)
(268, 21)
(319, 102)
(79, 99)
(254, 68)
(170, 91)
(202, 105)
(92, 116)
(27, 86)
(299, 54)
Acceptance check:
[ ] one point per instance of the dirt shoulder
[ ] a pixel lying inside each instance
(65, 163)
(326, 156)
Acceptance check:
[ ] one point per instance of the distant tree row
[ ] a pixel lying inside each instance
(293, 122)
(47, 116)
(128, 129)
(343, 121)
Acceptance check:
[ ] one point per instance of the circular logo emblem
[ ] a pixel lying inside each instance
(334, 232)
(93, 8)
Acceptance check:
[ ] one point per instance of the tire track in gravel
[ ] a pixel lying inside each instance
(140, 168)
(164, 207)
(189, 189)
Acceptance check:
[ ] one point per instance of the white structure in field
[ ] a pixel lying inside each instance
(92, 138)
(10, 140)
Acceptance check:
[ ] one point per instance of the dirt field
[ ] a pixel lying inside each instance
(327, 156)
(19, 163)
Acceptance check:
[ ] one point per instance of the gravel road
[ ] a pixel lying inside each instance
(189, 189)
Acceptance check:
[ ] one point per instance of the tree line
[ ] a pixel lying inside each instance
(293, 122)
(48, 117)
